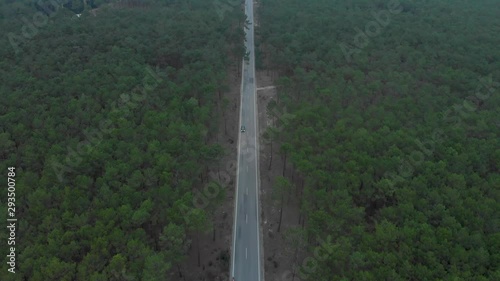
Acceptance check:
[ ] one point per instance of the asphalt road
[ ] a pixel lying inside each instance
(245, 263)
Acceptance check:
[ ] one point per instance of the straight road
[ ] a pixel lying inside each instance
(245, 263)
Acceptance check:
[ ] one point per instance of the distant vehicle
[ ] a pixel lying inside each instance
(242, 129)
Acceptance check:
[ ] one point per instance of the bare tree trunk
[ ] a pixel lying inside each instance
(271, 160)
(180, 272)
(198, 247)
(281, 212)
(218, 171)
(284, 165)
(206, 174)
(225, 127)
(295, 261)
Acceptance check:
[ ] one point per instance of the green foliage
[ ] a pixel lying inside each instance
(108, 120)
(395, 148)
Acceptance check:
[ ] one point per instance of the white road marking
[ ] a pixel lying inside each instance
(246, 253)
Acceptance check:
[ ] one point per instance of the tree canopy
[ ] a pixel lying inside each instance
(109, 119)
(395, 136)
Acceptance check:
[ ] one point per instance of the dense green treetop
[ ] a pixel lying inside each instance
(108, 119)
(396, 144)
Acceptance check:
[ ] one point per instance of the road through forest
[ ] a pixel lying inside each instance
(245, 262)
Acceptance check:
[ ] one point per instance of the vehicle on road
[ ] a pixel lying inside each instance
(242, 129)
